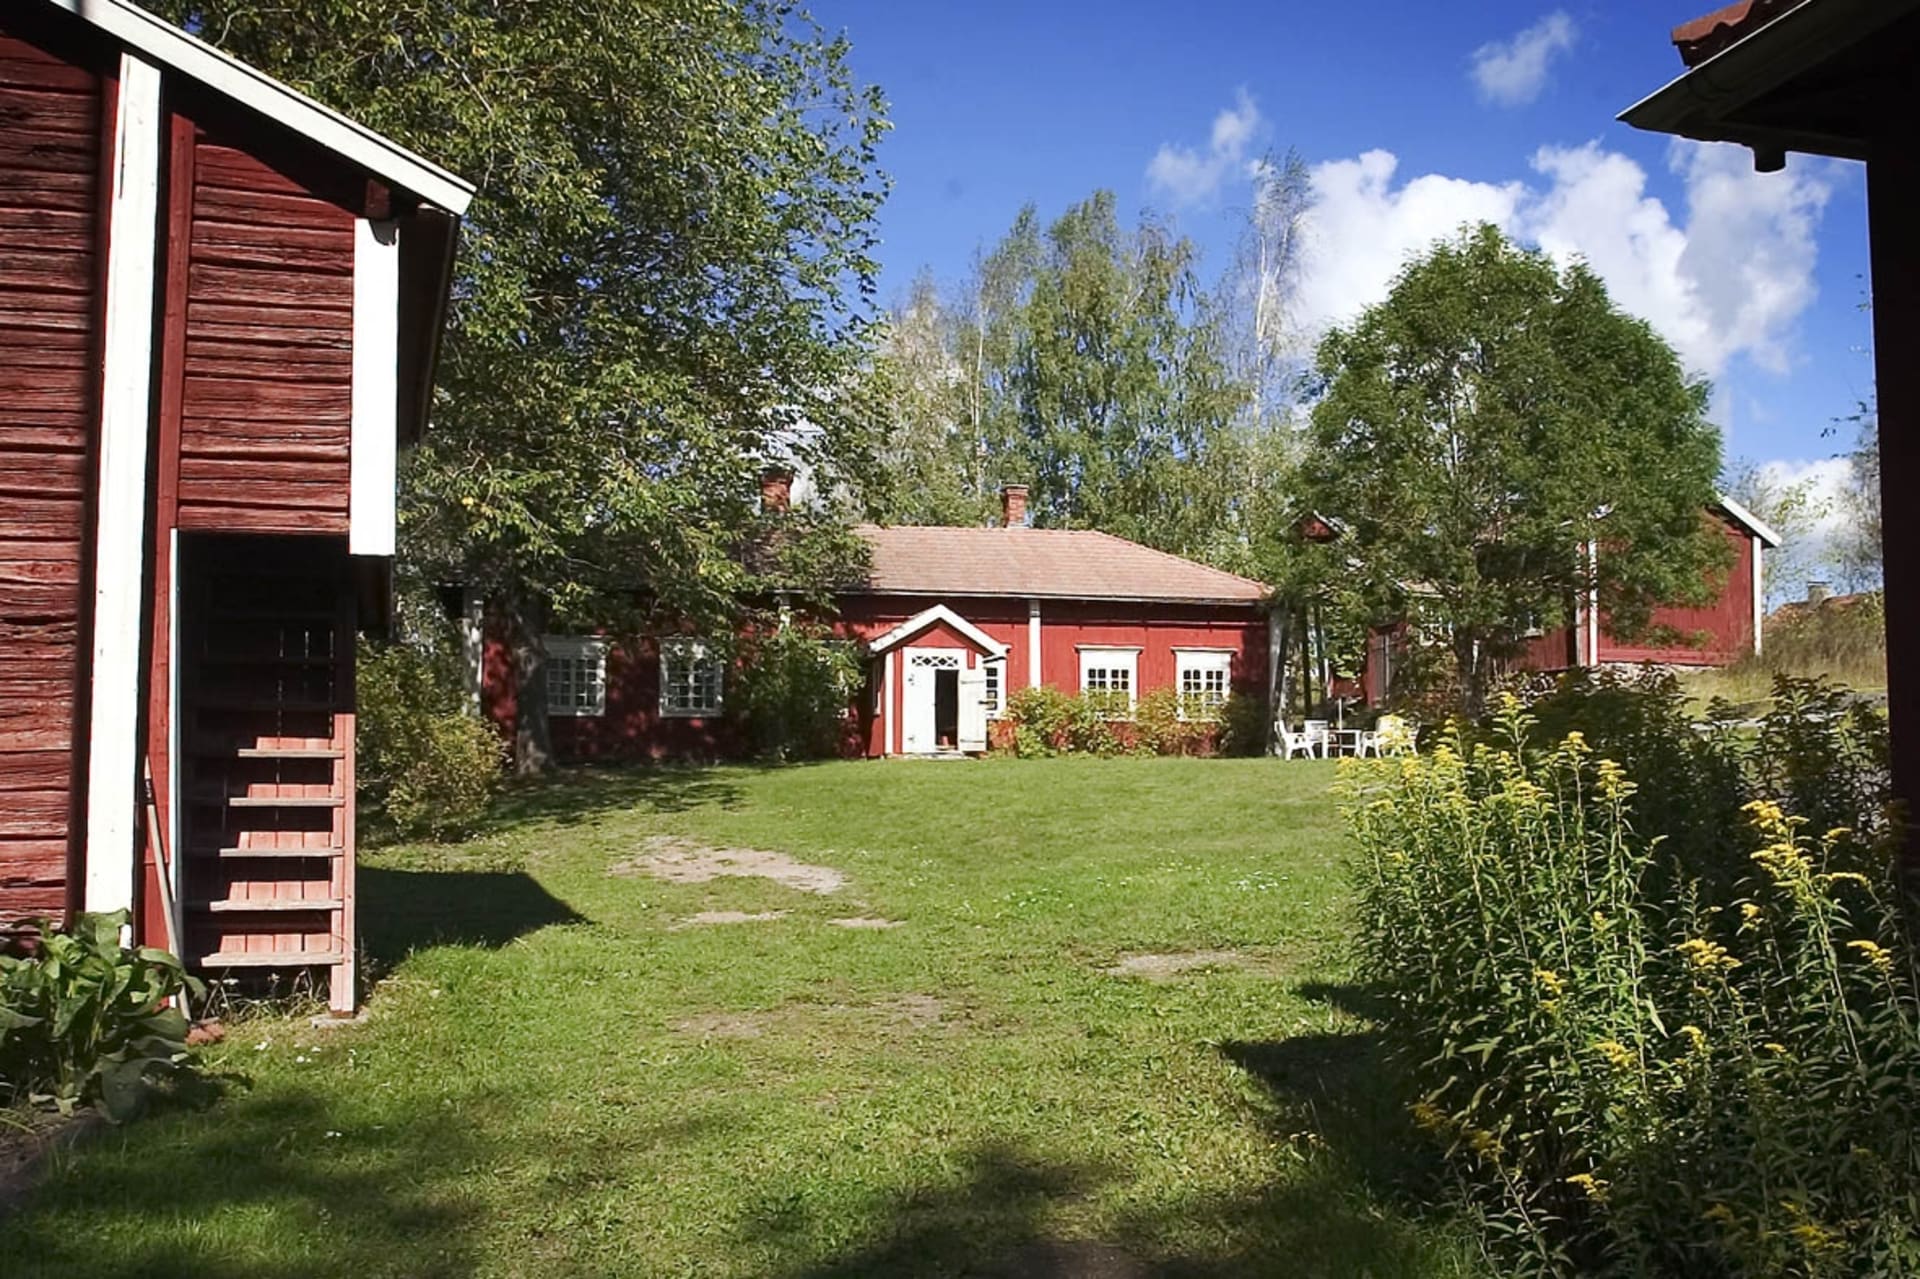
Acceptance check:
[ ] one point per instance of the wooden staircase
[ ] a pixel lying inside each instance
(266, 786)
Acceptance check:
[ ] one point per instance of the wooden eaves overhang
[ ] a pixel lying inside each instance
(1823, 77)
(433, 198)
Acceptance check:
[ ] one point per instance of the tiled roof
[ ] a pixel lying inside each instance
(1041, 563)
(1707, 35)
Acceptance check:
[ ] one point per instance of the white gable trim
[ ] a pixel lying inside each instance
(173, 48)
(1750, 521)
(938, 613)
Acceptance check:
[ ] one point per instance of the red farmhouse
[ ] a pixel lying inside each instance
(1718, 633)
(952, 620)
(219, 310)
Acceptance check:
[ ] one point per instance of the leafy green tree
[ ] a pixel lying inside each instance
(1795, 509)
(1490, 421)
(664, 281)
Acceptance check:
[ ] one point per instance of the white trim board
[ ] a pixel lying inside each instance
(126, 412)
(927, 617)
(372, 457)
(1033, 643)
(167, 45)
(1748, 520)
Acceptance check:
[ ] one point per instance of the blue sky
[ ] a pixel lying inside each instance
(1414, 116)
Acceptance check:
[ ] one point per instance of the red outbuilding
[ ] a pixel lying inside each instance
(220, 305)
(951, 621)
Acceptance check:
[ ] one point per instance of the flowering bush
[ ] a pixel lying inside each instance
(1633, 1067)
(1045, 721)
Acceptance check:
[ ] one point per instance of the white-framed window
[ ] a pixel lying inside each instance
(1204, 677)
(995, 669)
(576, 676)
(692, 677)
(1109, 680)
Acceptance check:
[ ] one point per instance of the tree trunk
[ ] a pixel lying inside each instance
(526, 631)
(1469, 657)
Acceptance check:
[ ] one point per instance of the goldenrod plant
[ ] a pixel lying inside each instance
(1634, 1069)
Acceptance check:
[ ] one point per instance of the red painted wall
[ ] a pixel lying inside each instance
(633, 728)
(55, 131)
(1720, 632)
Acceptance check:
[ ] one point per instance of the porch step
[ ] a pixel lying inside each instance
(264, 852)
(267, 958)
(243, 906)
(285, 752)
(268, 801)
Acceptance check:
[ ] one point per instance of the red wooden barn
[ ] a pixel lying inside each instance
(952, 619)
(219, 312)
(1718, 633)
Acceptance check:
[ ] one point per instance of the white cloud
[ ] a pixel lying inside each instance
(1192, 175)
(1826, 479)
(1730, 279)
(1511, 73)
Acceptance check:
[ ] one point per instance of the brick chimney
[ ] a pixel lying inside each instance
(1818, 592)
(1013, 505)
(776, 489)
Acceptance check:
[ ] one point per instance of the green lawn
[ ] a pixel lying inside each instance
(560, 1077)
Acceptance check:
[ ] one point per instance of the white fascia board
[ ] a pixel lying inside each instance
(169, 46)
(1753, 523)
(373, 454)
(120, 531)
(927, 617)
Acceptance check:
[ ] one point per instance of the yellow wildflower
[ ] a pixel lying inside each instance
(1613, 780)
(1618, 1055)
(1483, 1143)
(1696, 1037)
(1595, 1187)
(1427, 1116)
(1718, 1212)
(1874, 953)
(1708, 955)
(1778, 1050)
(1749, 911)
(1600, 922)
(1550, 982)
(1848, 877)
(1814, 1238)
(1837, 834)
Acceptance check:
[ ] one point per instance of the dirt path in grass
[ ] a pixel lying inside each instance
(680, 860)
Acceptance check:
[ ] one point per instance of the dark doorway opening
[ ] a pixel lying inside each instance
(946, 708)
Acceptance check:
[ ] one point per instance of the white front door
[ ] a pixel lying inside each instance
(918, 735)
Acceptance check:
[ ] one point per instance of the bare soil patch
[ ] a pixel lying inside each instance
(866, 921)
(679, 860)
(28, 1139)
(1164, 966)
(725, 1025)
(707, 918)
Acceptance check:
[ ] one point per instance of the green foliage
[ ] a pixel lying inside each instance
(1491, 418)
(421, 757)
(82, 1018)
(1652, 1044)
(1045, 722)
(794, 687)
(664, 280)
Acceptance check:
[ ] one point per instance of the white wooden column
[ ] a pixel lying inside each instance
(1759, 595)
(376, 365)
(1033, 643)
(119, 548)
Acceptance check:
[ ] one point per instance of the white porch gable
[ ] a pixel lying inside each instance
(938, 613)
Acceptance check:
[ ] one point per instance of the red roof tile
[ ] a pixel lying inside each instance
(1707, 35)
(1041, 563)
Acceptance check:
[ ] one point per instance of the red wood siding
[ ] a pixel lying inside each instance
(1712, 635)
(266, 396)
(52, 129)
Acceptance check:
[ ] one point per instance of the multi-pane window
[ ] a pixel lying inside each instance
(576, 676)
(1107, 680)
(691, 678)
(996, 695)
(1204, 680)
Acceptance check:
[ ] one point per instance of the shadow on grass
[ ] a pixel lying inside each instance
(572, 796)
(997, 1221)
(216, 1200)
(403, 910)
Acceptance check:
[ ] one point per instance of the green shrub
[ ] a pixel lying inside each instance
(422, 758)
(794, 688)
(1639, 1061)
(82, 1018)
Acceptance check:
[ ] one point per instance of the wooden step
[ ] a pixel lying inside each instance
(268, 801)
(264, 852)
(284, 705)
(279, 752)
(245, 906)
(267, 959)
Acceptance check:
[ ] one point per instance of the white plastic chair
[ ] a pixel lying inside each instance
(1319, 735)
(1394, 736)
(1292, 743)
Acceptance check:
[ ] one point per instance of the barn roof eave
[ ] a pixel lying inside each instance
(201, 62)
